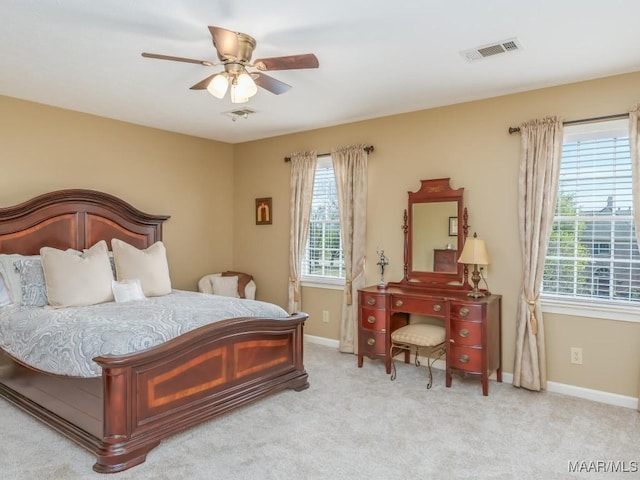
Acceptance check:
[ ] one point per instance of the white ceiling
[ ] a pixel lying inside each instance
(377, 57)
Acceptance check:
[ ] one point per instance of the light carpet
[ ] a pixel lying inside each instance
(354, 423)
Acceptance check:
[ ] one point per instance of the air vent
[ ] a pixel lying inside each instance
(241, 113)
(505, 46)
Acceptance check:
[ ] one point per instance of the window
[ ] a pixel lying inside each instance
(323, 261)
(593, 253)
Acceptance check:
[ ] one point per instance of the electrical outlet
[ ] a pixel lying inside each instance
(576, 355)
(325, 316)
(484, 271)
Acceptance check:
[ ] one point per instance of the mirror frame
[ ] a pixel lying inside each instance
(435, 190)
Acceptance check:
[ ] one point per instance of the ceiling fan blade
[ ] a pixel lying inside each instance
(202, 84)
(225, 41)
(206, 63)
(290, 62)
(270, 83)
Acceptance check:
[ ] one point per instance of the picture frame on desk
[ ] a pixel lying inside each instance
(453, 226)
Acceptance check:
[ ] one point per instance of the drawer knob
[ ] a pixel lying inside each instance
(464, 358)
(371, 301)
(371, 342)
(437, 307)
(371, 319)
(464, 332)
(464, 312)
(399, 303)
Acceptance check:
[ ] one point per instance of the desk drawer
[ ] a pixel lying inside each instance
(466, 333)
(468, 359)
(373, 343)
(465, 311)
(372, 300)
(372, 319)
(432, 307)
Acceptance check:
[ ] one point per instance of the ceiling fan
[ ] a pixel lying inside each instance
(234, 51)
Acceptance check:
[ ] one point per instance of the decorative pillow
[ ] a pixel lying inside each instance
(32, 284)
(111, 260)
(127, 290)
(5, 298)
(11, 275)
(74, 280)
(149, 266)
(243, 280)
(225, 286)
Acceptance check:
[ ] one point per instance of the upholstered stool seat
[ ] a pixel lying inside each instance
(416, 336)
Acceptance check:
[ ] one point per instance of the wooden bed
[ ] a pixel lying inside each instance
(144, 397)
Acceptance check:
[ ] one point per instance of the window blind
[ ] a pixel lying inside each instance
(323, 255)
(593, 252)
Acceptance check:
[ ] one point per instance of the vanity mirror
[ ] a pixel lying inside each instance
(435, 227)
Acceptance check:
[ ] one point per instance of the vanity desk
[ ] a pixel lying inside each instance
(473, 327)
(472, 323)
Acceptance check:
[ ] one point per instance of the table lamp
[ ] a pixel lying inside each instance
(474, 253)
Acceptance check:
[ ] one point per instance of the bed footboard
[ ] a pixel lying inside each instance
(207, 372)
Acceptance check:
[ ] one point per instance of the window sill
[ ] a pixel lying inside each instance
(330, 284)
(621, 313)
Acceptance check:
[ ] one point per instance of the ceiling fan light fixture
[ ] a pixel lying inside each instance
(236, 96)
(218, 85)
(245, 86)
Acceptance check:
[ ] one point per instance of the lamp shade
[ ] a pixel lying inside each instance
(474, 252)
(218, 85)
(246, 86)
(235, 95)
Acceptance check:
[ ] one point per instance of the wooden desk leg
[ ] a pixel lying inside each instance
(360, 360)
(485, 384)
(448, 378)
(499, 374)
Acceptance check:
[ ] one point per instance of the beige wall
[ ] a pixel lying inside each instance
(44, 148)
(468, 143)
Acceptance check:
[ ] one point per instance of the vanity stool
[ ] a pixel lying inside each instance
(417, 336)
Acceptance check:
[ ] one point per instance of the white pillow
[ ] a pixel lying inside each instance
(149, 266)
(74, 280)
(226, 286)
(127, 290)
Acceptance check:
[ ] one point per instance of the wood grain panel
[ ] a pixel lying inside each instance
(255, 356)
(197, 375)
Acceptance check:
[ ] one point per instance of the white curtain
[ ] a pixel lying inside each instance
(541, 149)
(350, 166)
(303, 172)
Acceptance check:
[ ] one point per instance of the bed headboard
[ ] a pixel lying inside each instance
(75, 219)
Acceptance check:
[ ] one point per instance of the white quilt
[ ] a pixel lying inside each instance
(64, 341)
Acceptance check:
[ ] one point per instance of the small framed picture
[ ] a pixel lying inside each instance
(453, 226)
(264, 213)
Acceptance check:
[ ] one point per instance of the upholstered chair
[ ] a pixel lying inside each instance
(229, 284)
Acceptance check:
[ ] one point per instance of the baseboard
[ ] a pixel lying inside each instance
(554, 387)
(595, 395)
(327, 342)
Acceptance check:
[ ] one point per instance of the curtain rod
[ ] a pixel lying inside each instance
(368, 149)
(584, 120)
